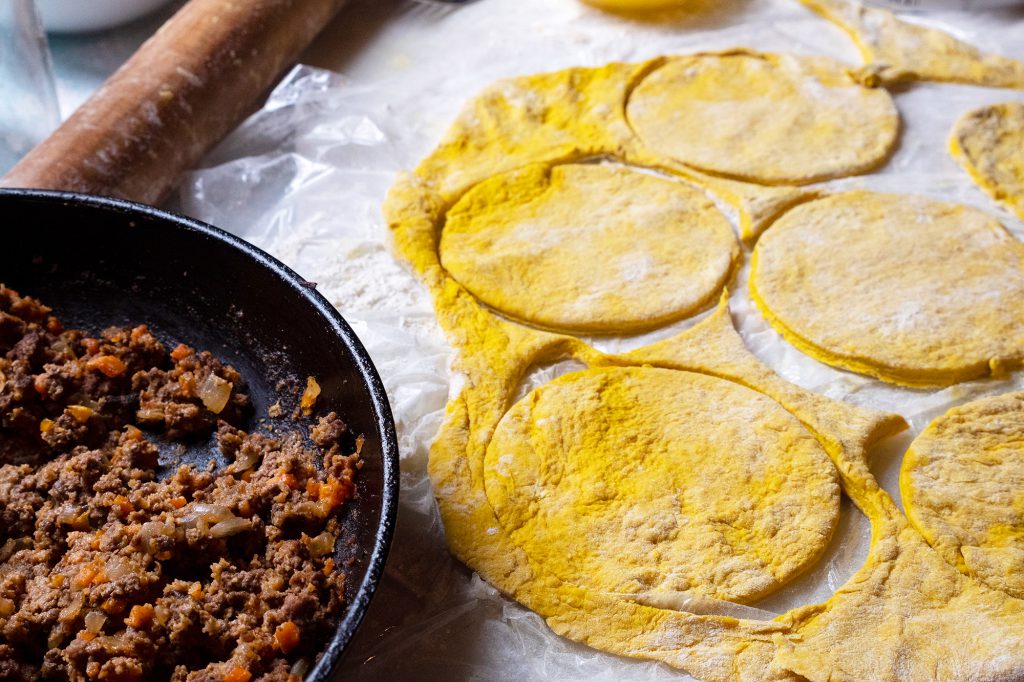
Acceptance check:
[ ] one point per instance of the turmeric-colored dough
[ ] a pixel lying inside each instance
(989, 143)
(907, 614)
(911, 290)
(655, 481)
(962, 484)
(573, 115)
(587, 247)
(766, 118)
(895, 50)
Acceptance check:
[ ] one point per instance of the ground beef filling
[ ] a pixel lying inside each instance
(106, 572)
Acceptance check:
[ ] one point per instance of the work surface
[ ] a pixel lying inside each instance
(305, 177)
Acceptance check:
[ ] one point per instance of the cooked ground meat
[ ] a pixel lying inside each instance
(108, 572)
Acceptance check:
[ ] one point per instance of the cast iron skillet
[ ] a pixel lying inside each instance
(100, 262)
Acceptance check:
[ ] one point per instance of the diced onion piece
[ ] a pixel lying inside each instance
(71, 611)
(151, 530)
(246, 458)
(13, 545)
(148, 414)
(309, 396)
(117, 568)
(300, 668)
(94, 621)
(6, 607)
(192, 514)
(230, 527)
(322, 544)
(70, 515)
(215, 393)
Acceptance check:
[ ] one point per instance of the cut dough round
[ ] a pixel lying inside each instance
(766, 118)
(911, 290)
(589, 248)
(647, 481)
(989, 142)
(962, 483)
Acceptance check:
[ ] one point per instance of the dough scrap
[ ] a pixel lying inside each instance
(589, 248)
(989, 143)
(656, 481)
(962, 483)
(911, 290)
(895, 50)
(813, 121)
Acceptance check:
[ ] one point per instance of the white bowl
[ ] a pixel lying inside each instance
(70, 16)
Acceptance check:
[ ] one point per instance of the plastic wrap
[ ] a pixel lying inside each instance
(28, 101)
(304, 178)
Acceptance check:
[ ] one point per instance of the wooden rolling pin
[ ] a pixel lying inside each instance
(186, 88)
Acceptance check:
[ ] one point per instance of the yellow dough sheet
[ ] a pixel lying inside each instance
(611, 501)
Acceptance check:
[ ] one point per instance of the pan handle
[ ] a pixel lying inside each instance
(177, 96)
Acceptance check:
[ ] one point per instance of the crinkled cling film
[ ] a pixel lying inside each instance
(689, 449)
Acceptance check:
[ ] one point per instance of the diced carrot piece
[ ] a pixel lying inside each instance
(178, 502)
(238, 674)
(109, 365)
(84, 576)
(309, 396)
(124, 505)
(187, 383)
(287, 636)
(180, 352)
(334, 493)
(81, 413)
(140, 616)
(86, 635)
(329, 566)
(113, 605)
(139, 332)
(92, 346)
(45, 425)
(313, 488)
(39, 383)
(57, 579)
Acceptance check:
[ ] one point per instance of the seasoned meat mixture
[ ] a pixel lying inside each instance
(108, 572)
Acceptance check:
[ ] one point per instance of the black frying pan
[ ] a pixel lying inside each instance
(101, 262)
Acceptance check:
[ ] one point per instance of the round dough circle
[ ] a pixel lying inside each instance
(774, 119)
(962, 483)
(589, 248)
(988, 142)
(911, 290)
(643, 480)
